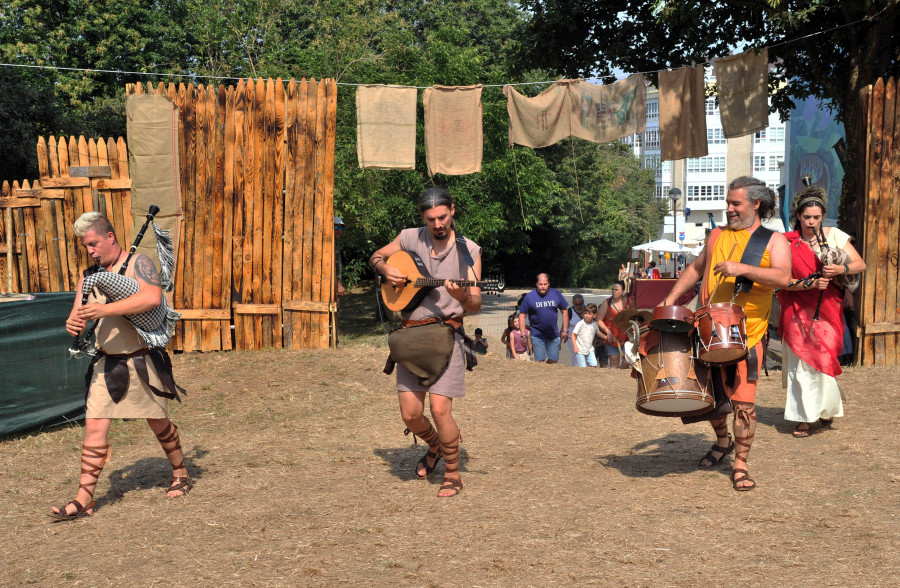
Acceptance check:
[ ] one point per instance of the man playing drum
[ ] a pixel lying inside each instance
(718, 265)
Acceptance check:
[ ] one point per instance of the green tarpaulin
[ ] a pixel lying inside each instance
(39, 385)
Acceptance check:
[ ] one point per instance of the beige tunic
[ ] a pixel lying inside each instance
(438, 303)
(117, 336)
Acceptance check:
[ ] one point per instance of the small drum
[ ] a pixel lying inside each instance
(721, 333)
(672, 319)
(671, 384)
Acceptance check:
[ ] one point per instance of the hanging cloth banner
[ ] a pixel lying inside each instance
(743, 84)
(682, 114)
(152, 125)
(601, 114)
(386, 127)
(454, 137)
(576, 108)
(540, 121)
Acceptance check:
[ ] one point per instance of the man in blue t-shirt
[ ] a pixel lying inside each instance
(541, 306)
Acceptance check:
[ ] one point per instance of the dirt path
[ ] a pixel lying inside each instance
(304, 478)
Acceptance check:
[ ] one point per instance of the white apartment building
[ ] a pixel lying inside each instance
(703, 181)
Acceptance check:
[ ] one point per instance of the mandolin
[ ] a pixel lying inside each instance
(419, 283)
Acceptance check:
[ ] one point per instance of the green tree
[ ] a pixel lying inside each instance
(591, 37)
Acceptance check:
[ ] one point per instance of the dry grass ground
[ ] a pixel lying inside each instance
(303, 477)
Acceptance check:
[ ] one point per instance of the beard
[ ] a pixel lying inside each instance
(739, 223)
(440, 234)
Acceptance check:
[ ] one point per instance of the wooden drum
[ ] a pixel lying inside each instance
(721, 333)
(671, 383)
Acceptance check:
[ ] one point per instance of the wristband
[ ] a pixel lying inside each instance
(846, 269)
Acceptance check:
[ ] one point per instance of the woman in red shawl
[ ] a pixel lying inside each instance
(607, 313)
(811, 348)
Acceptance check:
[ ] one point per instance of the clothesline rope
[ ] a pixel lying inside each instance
(207, 77)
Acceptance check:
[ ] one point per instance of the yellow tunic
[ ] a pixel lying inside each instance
(757, 303)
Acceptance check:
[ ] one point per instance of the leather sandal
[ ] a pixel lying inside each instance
(87, 452)
(423, 463)
(181, 484)
(802, 430)
(719, 449)
(454, 484)
(826, 423)
(743, 477)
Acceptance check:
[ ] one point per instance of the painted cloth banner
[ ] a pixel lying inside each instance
(152, 125)
(605, 113)
(743, 86)
(540, 121)
(454, 138)
(386, 127)
(576, 108)
(682, 114)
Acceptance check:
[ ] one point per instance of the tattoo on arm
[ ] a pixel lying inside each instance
(144, 270)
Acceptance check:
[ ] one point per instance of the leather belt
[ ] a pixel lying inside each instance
(455, 323)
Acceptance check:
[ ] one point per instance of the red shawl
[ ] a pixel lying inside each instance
(818, 343)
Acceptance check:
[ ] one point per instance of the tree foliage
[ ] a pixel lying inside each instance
(574, 209)
(592, 37)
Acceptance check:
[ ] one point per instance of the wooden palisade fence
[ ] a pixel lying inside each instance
(257, 240)
(879, 297)
(38, 249)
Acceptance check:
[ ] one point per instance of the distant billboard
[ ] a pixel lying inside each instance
(816, 142)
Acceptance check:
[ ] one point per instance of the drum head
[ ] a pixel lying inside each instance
(672, 319)
(724, 356)
(677, 403)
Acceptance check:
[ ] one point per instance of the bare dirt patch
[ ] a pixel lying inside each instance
(304, 478)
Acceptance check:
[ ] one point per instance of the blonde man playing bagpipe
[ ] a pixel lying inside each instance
(128, 378)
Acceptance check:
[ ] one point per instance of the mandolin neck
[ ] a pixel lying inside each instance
(435, 282)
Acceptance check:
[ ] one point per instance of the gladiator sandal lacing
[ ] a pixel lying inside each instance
(452, 481)
(744, 431)
(721, 429)
(92, 470)
(430, 437)
(170, 436)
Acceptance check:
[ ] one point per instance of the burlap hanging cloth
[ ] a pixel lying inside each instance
(601, 114)
(682, 114)
(152, 124)
(453, 129)
(540, 121)
(386, 127)
(743, 87)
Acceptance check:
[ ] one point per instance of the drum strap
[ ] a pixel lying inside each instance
(753, 254)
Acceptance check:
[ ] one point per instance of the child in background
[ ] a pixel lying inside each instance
(481, 344)
(517, 347)
(583, 337)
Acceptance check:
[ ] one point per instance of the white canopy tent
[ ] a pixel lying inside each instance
(665, 246)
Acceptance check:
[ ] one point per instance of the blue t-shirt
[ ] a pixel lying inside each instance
(541, 311)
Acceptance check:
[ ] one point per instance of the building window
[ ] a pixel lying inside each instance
(760, 136)
(715, 136)
(776, 135)
(662, 191)
(652, 162)
(665, 167)
(759, 163)
(774, 161)
(637, 139)
(652, 138)
(706, 193)
(652, 110)
(709, 164)
(712, 109)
